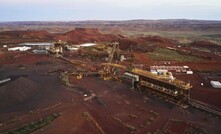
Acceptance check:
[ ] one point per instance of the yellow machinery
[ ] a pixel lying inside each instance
(175, 90)
(144, 73)
(105, 73)
(166, 86)
(57, 48)
(79, 76)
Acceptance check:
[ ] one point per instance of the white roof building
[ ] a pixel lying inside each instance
(215, 84)
(37, 44)
(189, 72)
(86, 45)
(186, 67)
(162, 70)
(24, 48)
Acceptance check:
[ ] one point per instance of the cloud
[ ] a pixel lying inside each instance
(34, 2)
(115, 3)
(109, 9)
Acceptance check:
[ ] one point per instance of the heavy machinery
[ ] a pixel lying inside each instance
(79, 76)
(106, 72)
(165, 86)
(57, 48)
(173, 90)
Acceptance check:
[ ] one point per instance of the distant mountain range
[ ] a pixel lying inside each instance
(127, 25)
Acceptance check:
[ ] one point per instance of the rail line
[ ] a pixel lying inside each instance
(190, 102)
(204, 107)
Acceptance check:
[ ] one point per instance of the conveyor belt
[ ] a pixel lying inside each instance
(204, 107)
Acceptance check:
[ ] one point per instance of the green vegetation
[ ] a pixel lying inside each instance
(148, 123)
(65, 79)
(181, 36)
(166, 54)
(21, 67)
(133, 116)
(132, 128)
(33, 126)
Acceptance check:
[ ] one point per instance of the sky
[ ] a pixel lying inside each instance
(78, 10)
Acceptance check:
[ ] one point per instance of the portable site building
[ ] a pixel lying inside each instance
(215, 84)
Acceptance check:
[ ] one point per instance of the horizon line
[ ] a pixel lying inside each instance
(107, 20)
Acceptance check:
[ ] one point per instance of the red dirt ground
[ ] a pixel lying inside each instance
(142, 57)
(127, 44)
(21, 58)
(205, 94)
(181, 127)
(25, 34)
(17, 91)
(15, 37)
(111, 113)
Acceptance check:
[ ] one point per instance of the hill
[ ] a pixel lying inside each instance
(17, 91)
(137, 25)
(15, 37)
(81, 35)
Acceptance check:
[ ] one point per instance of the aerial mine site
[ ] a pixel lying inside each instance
(113, 67)
(94, 80)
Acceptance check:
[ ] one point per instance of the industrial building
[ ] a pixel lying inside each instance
(38, 45)
(177, 69)
(23, 48)
(215, 84)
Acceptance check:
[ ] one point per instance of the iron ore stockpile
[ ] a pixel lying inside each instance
(106, 83)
